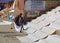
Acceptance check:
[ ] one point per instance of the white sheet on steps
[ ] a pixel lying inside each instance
(32, 37)
(56, 24)
(48, 30)
(50, 39)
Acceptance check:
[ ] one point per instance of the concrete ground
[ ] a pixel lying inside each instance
(8, 35)
(9, 40)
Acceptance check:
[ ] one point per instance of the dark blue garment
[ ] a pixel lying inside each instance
(1, 7)
(5, 1)
(21, 21)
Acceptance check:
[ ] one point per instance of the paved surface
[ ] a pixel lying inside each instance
(9, 40)
(8, 35)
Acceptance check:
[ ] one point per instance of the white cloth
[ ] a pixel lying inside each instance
(38, 34)
(25, 39)
(26, 27)
(52, 39)
(48, 30)
(17, 28)
(28, 39)
(41, 41)
(56, 24)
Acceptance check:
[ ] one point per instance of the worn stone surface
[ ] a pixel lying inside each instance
(8, 35)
